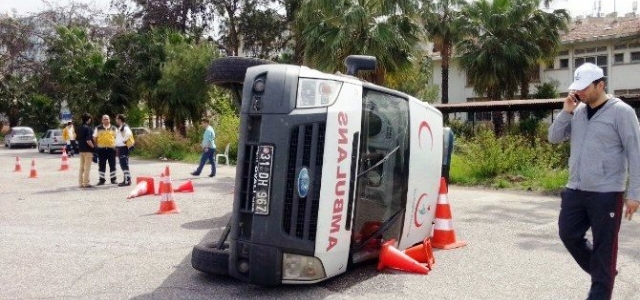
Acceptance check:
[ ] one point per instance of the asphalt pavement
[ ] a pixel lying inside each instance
(61, 242)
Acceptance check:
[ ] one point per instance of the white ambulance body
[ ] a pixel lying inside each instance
(329, 166)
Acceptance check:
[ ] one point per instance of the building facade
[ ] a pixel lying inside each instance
(611, 43)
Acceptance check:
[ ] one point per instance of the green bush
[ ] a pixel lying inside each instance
(173, 146)
(509, 161)
(163, 144)
(227, 127)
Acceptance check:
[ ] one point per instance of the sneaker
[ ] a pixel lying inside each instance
(86, 186)
(195, 174)
(101, 182)
(212, 175)
(124, 183)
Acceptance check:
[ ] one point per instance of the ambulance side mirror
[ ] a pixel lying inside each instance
(355, 63)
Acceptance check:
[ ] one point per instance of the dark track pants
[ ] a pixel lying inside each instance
(107, 155)
(123, 158)
(602, 212)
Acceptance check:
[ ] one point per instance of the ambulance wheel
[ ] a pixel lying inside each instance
(227, 71)
(207, 258)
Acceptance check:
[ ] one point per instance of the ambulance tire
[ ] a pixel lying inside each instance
(229, 71)
(208, 259)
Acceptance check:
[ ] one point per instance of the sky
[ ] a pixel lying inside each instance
(24, 7)
(575, 7)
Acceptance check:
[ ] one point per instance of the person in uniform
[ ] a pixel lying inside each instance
(124, 141)
(105, 139)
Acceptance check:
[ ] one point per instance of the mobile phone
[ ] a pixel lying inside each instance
(577, 98)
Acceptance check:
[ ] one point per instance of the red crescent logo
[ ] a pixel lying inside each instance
(418, 210)
(423, 125)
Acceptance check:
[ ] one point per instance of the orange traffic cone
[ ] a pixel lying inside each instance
(186, 187)
(18, 165)
(65, 162)
(167, 204)
(422, 253)
(396, 259)
(34, 172)
(139, 190)
(444, 237)
(160, 181)
(150, 184)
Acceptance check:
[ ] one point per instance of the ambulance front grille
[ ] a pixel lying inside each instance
(306, 149)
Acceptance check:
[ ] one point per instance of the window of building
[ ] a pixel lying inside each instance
(479, 116)
(551, 65)
(620, 46)
(600, 61)
(618, 58)
(564, 63)
(635, 56)
(635, 44)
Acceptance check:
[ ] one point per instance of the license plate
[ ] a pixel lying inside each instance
(263, 161)
(25, 137)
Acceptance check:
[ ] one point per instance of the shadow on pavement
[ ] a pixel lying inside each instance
(187, 283)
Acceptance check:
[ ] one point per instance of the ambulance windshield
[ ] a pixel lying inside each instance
(383, 167)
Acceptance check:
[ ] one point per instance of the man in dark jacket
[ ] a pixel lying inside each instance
(85, 147)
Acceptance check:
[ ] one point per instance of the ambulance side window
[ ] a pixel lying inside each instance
(383, 165)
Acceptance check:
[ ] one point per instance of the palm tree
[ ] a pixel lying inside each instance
(385, 29)
(545, 31)
(508, 43)
(444, 23)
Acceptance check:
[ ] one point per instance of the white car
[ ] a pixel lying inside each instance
(20, 136)
(51, 141)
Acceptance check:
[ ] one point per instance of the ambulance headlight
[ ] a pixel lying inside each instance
(317, 92)
(300, 267)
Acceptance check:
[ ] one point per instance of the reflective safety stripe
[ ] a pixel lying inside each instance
(441, 224)
(442, 199)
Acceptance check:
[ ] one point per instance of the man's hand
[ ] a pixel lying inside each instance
(632, 206)
(570, 103)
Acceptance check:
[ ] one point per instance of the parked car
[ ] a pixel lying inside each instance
(140, 131)
(51, 141)
(20, 136)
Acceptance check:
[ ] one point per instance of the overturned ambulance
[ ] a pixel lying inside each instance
(328, 167)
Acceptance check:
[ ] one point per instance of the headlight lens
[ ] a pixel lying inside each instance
(300, 267)
(317, 93)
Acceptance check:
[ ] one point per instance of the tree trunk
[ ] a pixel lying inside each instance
(445, 75)
(524, 95)
(497, 116)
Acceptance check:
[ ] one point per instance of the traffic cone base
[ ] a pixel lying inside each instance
(444, 237)
(186, 187)
(422, 253)
(167, 207)
(18, 165)
(65, 162)
(396, 259)
(150, 184)
(167, 204)
(139, 190)
(34, 172)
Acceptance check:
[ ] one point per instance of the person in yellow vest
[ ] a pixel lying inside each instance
(105, 139)
(69, 137)
(124, 143)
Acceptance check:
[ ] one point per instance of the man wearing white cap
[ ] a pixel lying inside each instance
(605, 138)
